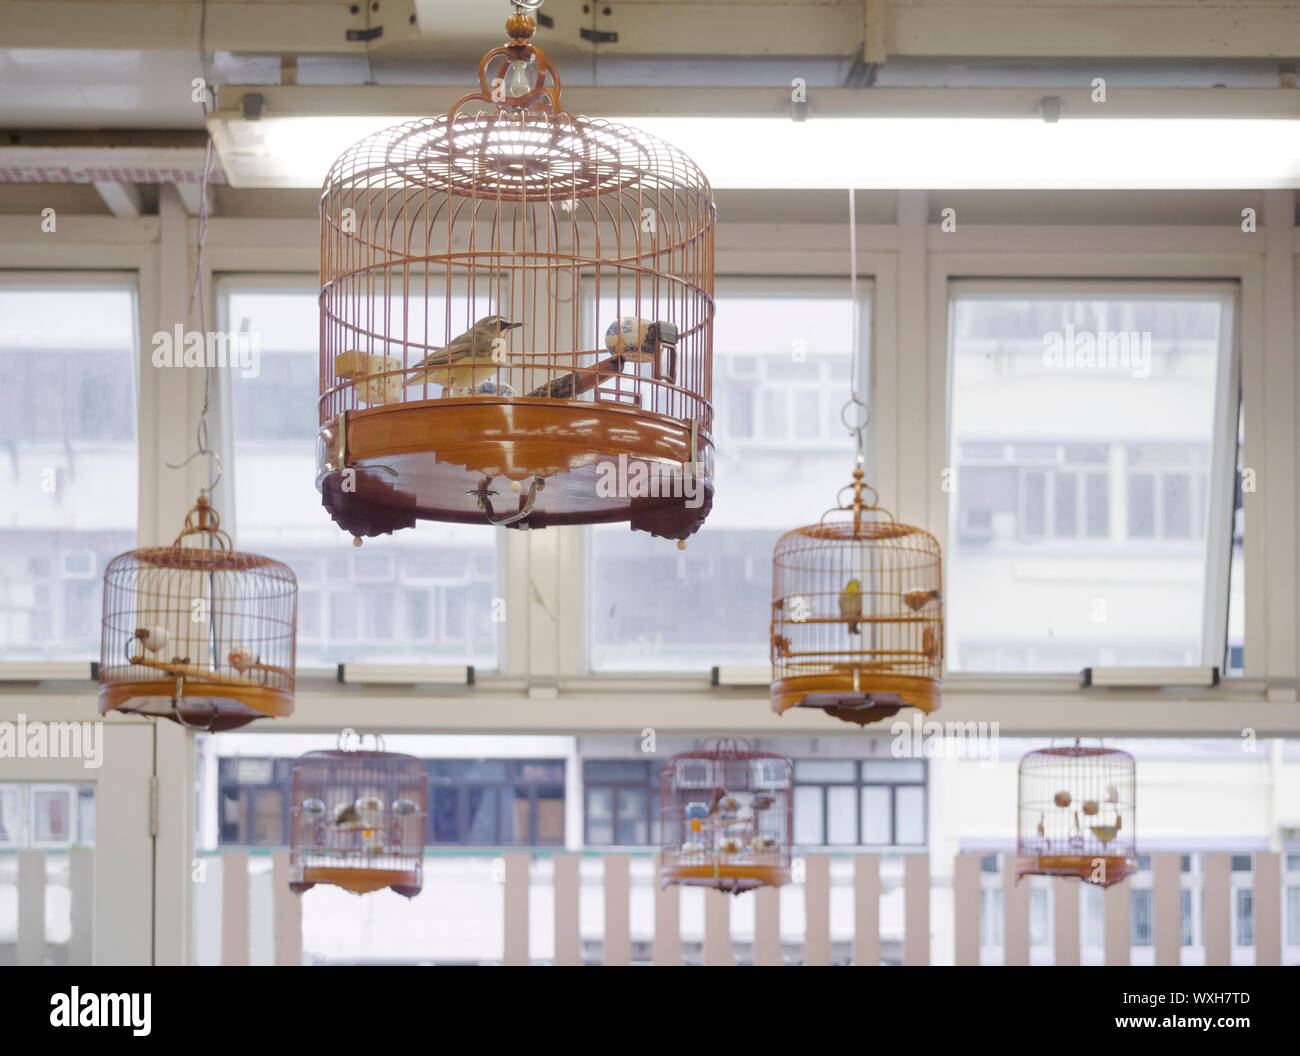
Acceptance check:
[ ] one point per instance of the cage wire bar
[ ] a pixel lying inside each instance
(726, 817)
(200, 634)
(1077, 806)
(357, 820)
(510, 295)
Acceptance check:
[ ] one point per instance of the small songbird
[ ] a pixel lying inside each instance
(346, 816)
(851, 605)
(762, 843)
(917, 599)
(472, 357)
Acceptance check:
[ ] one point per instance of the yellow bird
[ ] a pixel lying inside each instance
(851, 604)
(472, 357)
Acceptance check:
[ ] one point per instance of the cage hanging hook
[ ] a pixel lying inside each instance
(214, 459)
(485, 503)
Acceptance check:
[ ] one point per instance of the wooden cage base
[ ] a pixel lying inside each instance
(733, 877)
(234, 706)
(1083, 866)
(870, 696)
(429, 459)
(360, 881)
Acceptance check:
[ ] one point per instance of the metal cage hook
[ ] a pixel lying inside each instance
(213, 457)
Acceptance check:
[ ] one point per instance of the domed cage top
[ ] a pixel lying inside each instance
(200, 634)
(1076, 807)
(725, 818)
(512, 298)
(857, 615)
(357, 821)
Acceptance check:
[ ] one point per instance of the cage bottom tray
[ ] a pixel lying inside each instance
(428, 459)
(358, 880)
(1117, 866)
(731, 876)
(870, 697)
(196, 706)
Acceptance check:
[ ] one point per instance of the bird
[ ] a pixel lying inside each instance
(762, 843)
(731, 845)
(346, 816)
(917, 598)
(241, 658)
(468, 359)
(851, 605)
(692, 847)
(761, 800)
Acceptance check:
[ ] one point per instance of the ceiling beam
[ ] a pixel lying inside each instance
(122, 199)
(991, 29)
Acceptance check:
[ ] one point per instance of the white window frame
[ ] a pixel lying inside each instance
(1223, 451)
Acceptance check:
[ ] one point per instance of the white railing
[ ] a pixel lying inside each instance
(570, 908)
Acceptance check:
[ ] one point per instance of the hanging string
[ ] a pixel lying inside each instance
(856, 404)
(197, 297)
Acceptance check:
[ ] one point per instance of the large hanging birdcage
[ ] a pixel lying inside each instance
(516, 317)
(357, 820)
(200, 634)
(857, 614)
(1077, 806)
(725, 818)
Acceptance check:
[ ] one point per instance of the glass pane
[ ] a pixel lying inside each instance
(842, 815)
(1038, 381)
(1141, 917)
(632, 816)
(875, 817)
(68, 410)
(600, 815)
(1293, 916)
(616, 770)
(893, 770)
(550, 816)
(1040, 918)
(444, 811)
(909, 815)
(268, 816)
(450, 618)
(775, 354)
(824, 769)
(51, 817)
(808, 817)
(482, 816)
(1245, 917)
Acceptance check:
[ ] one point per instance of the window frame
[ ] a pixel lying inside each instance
(226, 282)
(1228, 394)
(869, 285)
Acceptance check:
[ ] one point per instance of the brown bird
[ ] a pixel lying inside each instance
(918, 599)
(470, 358)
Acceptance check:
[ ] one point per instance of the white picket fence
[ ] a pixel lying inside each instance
(257, 919)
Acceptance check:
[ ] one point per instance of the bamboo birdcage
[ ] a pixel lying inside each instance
(203, 635)
(357, 820)
(726, 818)
(857, 614)
(569, 263)
(1076, 814)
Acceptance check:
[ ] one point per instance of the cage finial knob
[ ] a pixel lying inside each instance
(520, 26)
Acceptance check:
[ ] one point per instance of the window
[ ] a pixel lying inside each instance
(46, 816)
(780, 379)
(1243, 917)
(488, 802)
(621, 798)
(496, 802)
(839, 802)
(421, 595)
(1092, 432)
(68, 352)
(253, 796)
(1141, 917)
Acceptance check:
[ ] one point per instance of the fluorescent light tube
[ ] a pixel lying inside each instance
(898, 152)
(1145, 677)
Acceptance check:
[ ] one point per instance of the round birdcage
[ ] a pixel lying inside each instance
(516, 317)
(200, 634)
(1077, 805)
(857, 614)
(357, 820)
(725, 818)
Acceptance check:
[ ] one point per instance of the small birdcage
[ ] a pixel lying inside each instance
(1077, 814)
(726, 818)
(200, 634)
(857, 614)
(516, 317)
(357, 820)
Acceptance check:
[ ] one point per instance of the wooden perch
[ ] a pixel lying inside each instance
(575, 383)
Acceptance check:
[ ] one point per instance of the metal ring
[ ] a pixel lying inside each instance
(854, 401)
